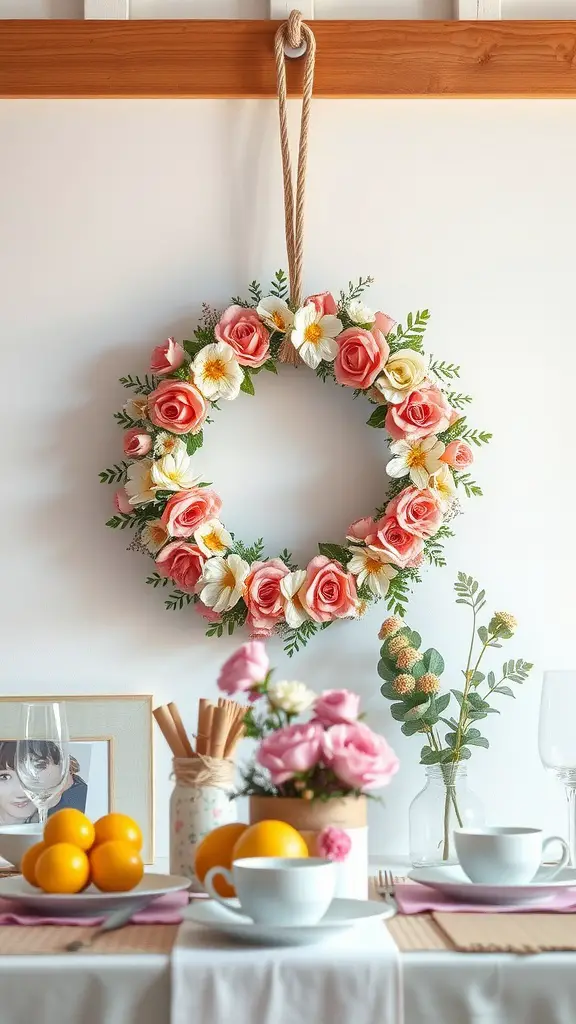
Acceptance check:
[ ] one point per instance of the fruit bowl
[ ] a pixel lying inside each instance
(16, 839)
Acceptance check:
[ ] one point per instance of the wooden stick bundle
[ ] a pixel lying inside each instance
(220, 728)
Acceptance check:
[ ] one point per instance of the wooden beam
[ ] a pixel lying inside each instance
(235, 58)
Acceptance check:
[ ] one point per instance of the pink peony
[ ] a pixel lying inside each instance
(334, 844)
(417, 511)
(137, 442)
(337, 707)
(358, 757)
(361, 356)
(425, 411)
(263, 596)
(122, 501)
(177, 406)
(328, 592)
(243, 330)
(458, 454)
(182, 563)
(167, 357)
(323, 302)
(185, 511)
(384, 323)
(361, 528)
(206, 613)
(402, 547)
(290, 750)
(247, 668)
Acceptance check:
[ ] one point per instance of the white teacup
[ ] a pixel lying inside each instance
(506, 856)
(281, 891)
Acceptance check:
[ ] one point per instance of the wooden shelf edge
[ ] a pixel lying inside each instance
(223, 59)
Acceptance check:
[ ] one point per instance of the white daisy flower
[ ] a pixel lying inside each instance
(443, 485)
(290, 696)
(313, 335)
(216, 372)
(372, 567)
(275, 313)
(175, 472)
(359, 313)
(293, 609)
(168, 444)
(154, 535)
(139, 484)
(212, 538)
(420, 458)
(222, 582)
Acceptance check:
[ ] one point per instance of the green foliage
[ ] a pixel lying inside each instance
(378, 416)
(279, 286)
(336, 553)
(255, 291)
(138, 385)
(115, 474)
(287, 558)
(194, 442)
(249, 552)
(458, 400)
(247, 386)
(203, 337)
(355, 291)
(470, 486)
(121, 521)
(467, 592)
(325, 371)
(295, 639)
(433, 661)
(445, 371)
(398, 593)
(124, 420)
(477, 437)
(177, 600)
(454, 432)
(269, 365)
(411, 337)
(235, 618)
(156, 580)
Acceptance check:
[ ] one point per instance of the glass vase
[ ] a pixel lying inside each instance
(445, 803)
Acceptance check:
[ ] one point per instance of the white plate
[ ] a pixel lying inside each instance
(452, 881)
(91, 902)
(340, 917)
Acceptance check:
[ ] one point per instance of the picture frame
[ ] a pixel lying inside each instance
(111, 752)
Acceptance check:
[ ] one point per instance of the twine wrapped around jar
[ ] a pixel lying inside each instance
(200, 802)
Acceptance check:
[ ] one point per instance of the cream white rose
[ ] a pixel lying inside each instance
(291, 696)
(404, 371)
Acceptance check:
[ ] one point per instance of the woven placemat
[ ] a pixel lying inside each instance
(50, 939)
(417, 933)
(509, 933)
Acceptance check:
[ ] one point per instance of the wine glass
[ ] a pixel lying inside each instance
(42, 753)
(557, 739)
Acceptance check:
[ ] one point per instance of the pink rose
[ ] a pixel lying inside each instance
(206, 613)
(337, 707)
(384, 323)
(334, 844)
(247, 668)
(361, 528)
(243, 330)
(361, 356)
(137, 442)
(417, 511)
(402, 547)
(323, 303)
(458, 454)
(167, 357)
(177, 406)
(185, 511)
(182, 563)
(263, 596)
(328, 592)
(290, 750)
(425, 411)
(122, 501)
(358, 757)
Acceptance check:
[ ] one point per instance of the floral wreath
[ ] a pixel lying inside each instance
(176, 515)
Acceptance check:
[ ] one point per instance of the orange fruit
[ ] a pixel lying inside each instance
(62, 868)
(216, 848)
(118, 827)
(28, 862)
(270, 839)
(115, 866)
(69, 826)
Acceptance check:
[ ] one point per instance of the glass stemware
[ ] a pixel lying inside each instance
(557, 739)
(42, 753)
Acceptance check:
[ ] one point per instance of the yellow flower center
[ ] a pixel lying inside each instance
(416, 457)
(214, 370)
(372, 566)
(213, 542)
(169, 444)
(313, 333)
(278, 321)
(228, 580)
(157, 533)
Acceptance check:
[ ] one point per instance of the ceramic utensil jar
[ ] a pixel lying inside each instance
(200, 802)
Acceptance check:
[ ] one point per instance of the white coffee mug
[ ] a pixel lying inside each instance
(281, 891)
(507, 856)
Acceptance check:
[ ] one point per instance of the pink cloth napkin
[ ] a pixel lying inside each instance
(414, 898)
(164, 910)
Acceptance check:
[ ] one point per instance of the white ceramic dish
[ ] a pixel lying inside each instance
(452, 881)
(91, 902)
(16, 839)
(341, 916)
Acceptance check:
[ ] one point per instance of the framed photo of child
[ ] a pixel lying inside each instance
(110, 761)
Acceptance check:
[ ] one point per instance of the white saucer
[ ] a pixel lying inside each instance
(91, 902)
(452, 881)
(341, 916)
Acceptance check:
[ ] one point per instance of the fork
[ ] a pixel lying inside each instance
(114, 921)
(386, 885)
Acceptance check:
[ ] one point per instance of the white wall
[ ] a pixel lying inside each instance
(119, 218)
